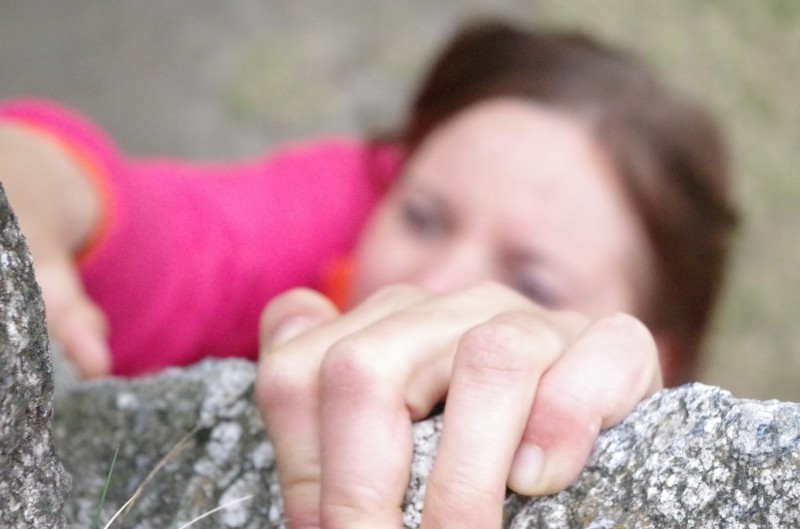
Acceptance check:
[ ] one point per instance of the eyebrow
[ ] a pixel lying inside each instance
(428, 191)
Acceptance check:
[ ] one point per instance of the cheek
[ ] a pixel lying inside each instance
(382, 256)
(624, 276)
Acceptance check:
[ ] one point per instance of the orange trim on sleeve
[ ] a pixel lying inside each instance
(338, 282)
(89, 167)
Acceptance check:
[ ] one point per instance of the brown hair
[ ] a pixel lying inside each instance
(668, 152)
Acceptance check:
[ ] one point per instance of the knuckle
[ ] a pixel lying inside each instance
(463, 503)
(495, 290)
(512, 342)
(398, 294)
(282, 379)
(632, 348)
(569, 410)
(337, 515)
(567, 421)
(349, 368)
(349, 509)
(631, 330)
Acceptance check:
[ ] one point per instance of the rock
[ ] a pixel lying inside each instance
(197, 427)
(33, 484)
(162, 451)
(694, 457)
(688, 458)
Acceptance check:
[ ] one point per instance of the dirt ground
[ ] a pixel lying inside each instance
(211, 79)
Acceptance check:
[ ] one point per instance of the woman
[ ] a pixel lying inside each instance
(535, 170)
(557, 167)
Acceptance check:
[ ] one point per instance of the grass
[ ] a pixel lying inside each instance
(212, 511)
(96, 522)
(128, 505)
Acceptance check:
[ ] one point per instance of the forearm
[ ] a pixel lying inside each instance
(56, 204)
(58, 210)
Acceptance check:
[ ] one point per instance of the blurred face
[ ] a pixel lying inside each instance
(514, 192)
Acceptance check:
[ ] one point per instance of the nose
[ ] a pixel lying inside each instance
(452, 268)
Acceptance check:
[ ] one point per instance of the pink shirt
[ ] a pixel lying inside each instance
(190, 253)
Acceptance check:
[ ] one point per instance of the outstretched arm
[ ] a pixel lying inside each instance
(527, 389)
(58, 211)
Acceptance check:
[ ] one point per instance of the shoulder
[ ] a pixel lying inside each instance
(60, 120)
(342, 154)
(326, 149)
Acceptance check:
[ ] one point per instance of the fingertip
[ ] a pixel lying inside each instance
(526, 469)
(88, 351)
(538, 472)
(292, 313)
(555, 448)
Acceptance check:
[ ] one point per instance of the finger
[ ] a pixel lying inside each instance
(74, 321)
(296, 305)
(291, 314)
(495, 374)
(297, 329)
(82, 334)
(377, 380)
(611, 367)
(366, 456)
(287, 401)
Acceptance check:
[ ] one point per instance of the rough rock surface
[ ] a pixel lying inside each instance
(188, 441)
(33, 484)
(689, 458)
(198, 427)
(694, 457)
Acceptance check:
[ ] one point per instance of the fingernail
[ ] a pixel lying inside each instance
(526, 469)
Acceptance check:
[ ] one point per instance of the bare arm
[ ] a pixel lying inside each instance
(58, 211)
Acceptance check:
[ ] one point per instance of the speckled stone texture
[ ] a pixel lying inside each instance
(197, 428)
(33, 484)
(190, 440)
(689, 458)
(695, 458)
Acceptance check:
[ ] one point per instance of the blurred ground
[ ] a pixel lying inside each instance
(208, 79)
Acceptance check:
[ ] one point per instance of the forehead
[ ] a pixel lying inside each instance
(512, 135)
(516, 152)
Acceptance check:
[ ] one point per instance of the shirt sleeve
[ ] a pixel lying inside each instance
(86, 144)
(241, 233)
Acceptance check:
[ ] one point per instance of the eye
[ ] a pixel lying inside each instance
(423, 219)
(536, 289)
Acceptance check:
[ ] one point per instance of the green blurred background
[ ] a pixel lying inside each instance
(211, 79)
